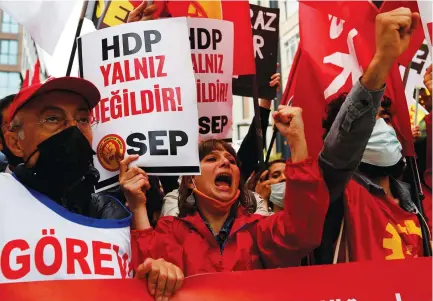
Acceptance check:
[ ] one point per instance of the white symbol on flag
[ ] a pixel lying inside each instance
(347, 61)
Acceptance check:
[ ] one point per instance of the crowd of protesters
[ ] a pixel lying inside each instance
(235, 215)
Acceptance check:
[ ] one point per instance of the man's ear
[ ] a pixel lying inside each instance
(12, 142)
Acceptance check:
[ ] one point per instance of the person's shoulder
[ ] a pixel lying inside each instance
(106, 206)
(172, 195)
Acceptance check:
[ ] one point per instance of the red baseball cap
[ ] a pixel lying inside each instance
(73, 84)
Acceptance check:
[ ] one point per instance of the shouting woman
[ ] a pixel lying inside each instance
(214, 231)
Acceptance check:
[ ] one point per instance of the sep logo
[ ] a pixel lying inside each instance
(109, 150)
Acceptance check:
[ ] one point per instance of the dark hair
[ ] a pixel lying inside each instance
(204, 149)
(331, 113)
(335, 105)
(275, 162)
(5, 102)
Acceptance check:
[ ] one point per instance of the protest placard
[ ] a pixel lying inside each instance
(212, 59)
(148, 97)
(264, 21)
(418, 67)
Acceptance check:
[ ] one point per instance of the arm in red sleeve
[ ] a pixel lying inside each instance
(286, 237)
(157, 243)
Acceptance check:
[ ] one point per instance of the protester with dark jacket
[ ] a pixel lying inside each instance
(49, 128)
(214, 231)
(361, 159)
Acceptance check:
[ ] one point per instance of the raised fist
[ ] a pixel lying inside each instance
(289, 123)
(393, 32)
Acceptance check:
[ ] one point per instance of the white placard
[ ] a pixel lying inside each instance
(212, 59)
(148, 97)
(420, 62)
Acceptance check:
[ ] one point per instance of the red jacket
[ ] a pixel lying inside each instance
(255, 241)
(376, 228)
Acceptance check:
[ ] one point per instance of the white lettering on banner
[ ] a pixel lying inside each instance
(17, 256)
(347, 61)
(211, 43)
(397, 298)
(260, 20)
(335, 29)
(56, 244)
(148, 101)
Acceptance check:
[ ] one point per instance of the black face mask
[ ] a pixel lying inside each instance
(374, 172)
(63, 163)
(13, 161)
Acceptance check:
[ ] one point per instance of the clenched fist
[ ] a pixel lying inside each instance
(289, 123)
(393, 32)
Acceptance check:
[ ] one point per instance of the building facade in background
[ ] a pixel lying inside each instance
(18, 52)
(243, 108)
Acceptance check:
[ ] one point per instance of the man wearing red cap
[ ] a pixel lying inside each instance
(54, 227)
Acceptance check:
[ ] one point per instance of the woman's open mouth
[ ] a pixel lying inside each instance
(223, 180)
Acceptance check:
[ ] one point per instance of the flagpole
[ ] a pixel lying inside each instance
(285, 98)
(258, 123)
(77, 34)
(416, 190)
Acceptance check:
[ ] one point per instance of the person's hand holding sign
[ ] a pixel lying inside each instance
(276, 81)
(143, 12)
(163, 278)
(134, 182)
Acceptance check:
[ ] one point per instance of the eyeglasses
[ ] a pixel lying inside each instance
(55, 123)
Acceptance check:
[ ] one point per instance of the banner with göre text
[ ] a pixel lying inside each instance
(148, 97)
(212, 59)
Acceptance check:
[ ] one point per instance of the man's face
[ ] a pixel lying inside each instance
(40, 120)
(3, 126)
(276, 173)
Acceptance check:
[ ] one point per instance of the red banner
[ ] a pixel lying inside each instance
(398, 280)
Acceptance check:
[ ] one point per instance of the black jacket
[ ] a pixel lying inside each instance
(81, 198)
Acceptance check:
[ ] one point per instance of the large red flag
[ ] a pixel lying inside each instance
(237, 12)
(324, 72)
(362, 15)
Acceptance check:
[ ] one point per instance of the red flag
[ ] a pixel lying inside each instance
(289, 91)
(428, 171)
(26, 80)
(237, 12)
(356, 13)
(36, 73)
(326, 71)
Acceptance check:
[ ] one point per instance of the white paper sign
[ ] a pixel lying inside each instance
(420, 62)
(212, 59)
(148, 98)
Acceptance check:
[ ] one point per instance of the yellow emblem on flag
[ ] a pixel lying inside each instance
(205, 9)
